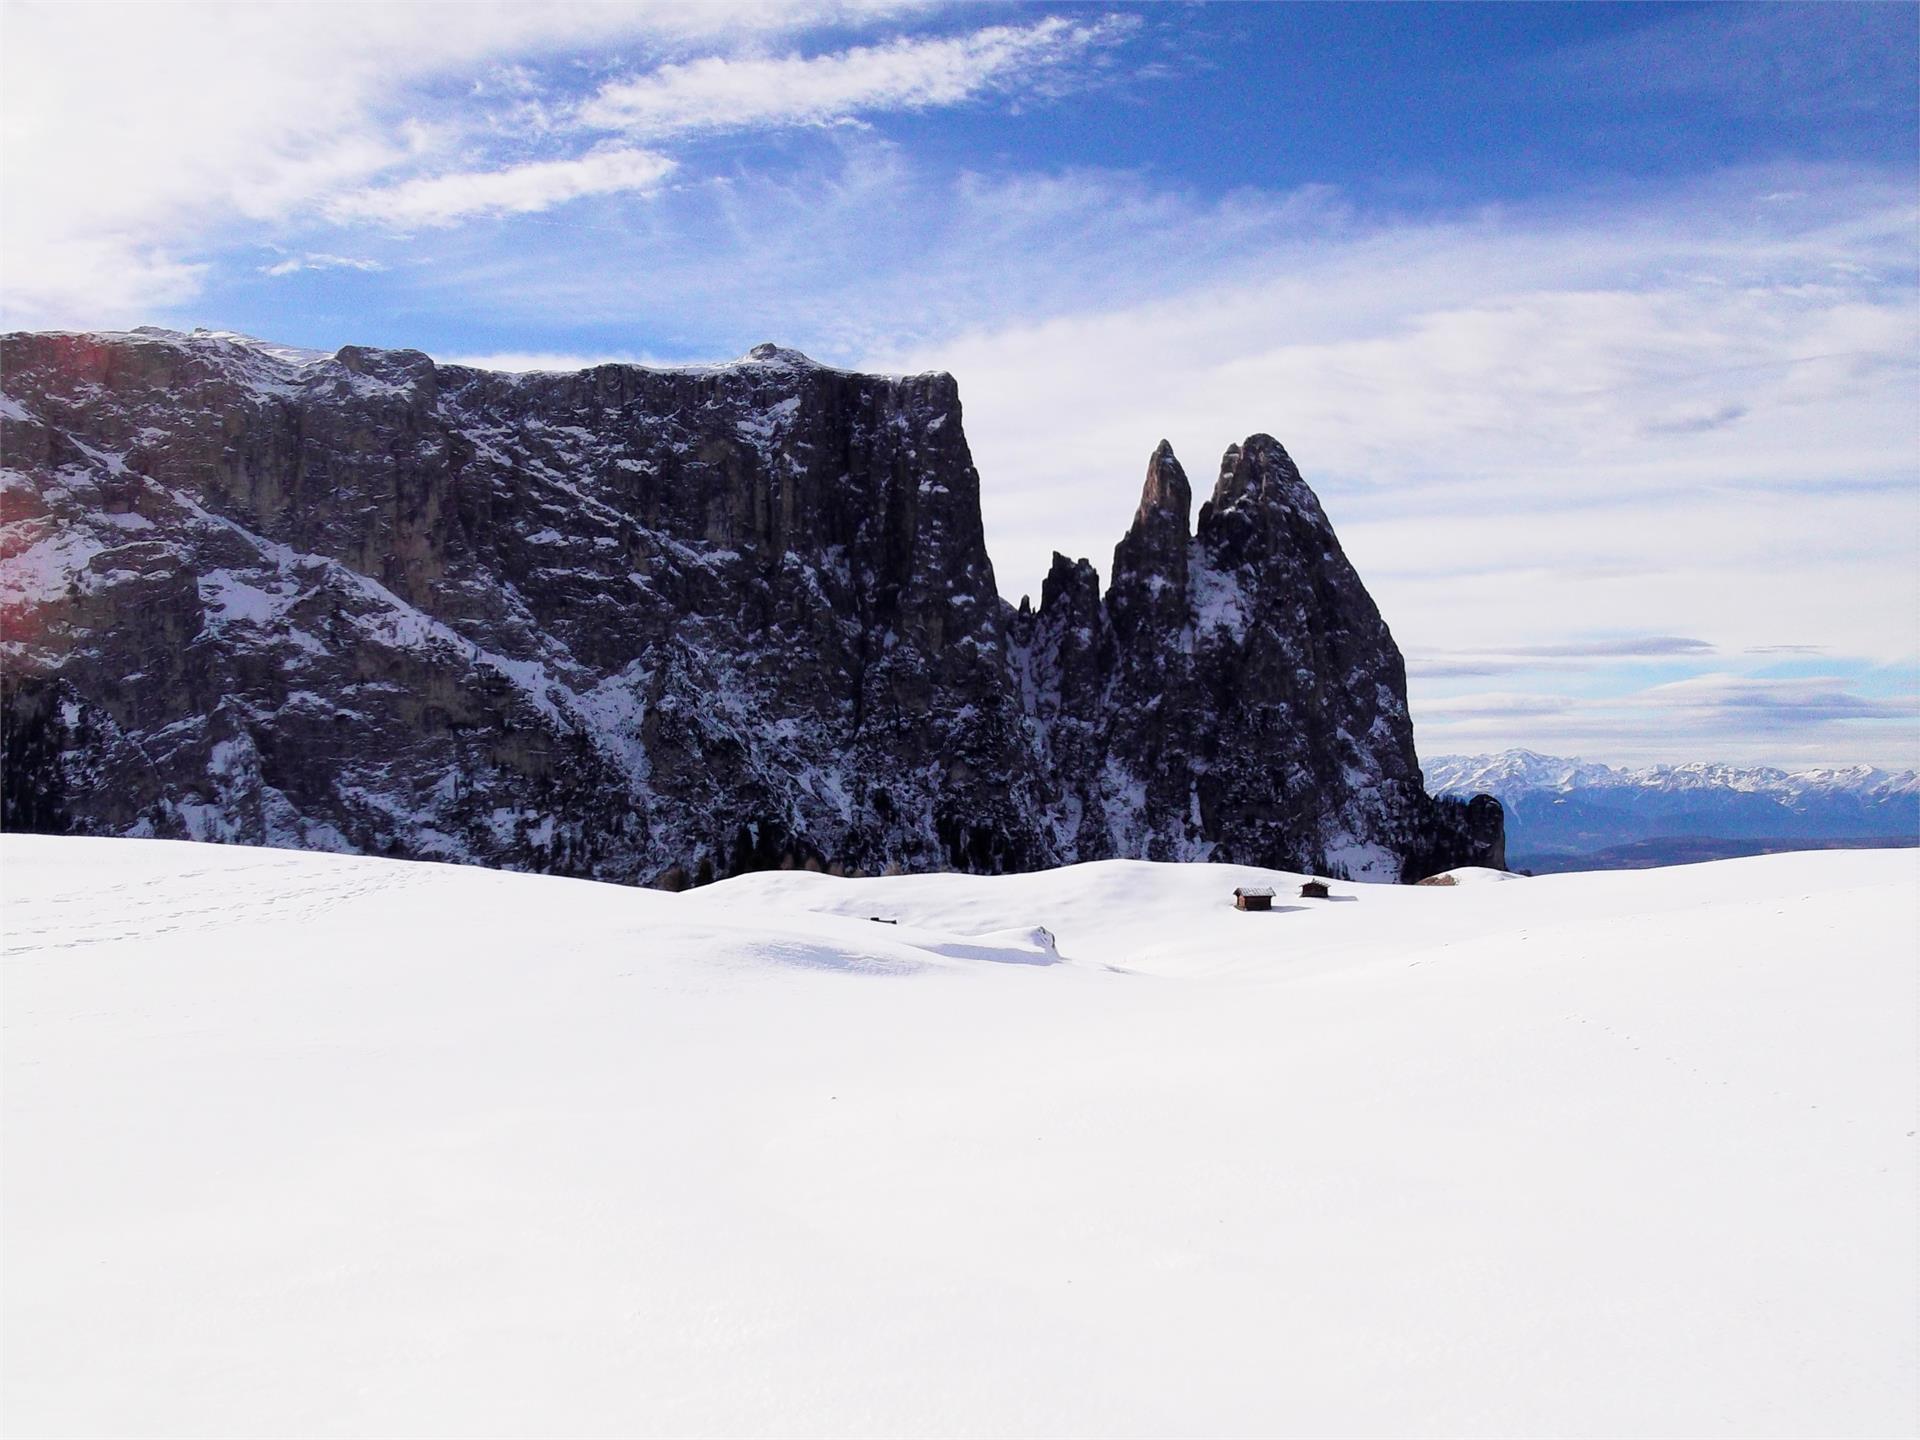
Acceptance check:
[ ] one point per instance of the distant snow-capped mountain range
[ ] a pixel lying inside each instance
(1514, 771)
(1564, 813)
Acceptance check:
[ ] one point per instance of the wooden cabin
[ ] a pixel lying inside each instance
(1253, 897)
(1314, 890)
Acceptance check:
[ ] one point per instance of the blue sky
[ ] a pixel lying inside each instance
(1594, 326)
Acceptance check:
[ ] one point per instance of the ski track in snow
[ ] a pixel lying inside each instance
(313, 1144)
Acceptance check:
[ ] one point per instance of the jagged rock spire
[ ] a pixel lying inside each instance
(1149, 589)
(1069, 579)
(1166, 495)
(1259, 468)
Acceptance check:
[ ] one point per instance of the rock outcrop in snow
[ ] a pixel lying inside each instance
(658, 626)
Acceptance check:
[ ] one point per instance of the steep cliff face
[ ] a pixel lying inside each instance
(655, 626)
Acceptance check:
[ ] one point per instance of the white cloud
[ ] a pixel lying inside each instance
(1580, 654)
(852, 250)
(319, 260)
(723, 93)
(514, 190)
(131, 143)
(1811, 720)
(85, 280)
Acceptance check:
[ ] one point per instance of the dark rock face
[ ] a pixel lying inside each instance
(657, 626)
(1238, 696)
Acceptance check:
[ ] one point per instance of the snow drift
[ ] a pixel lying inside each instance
(322, 1145)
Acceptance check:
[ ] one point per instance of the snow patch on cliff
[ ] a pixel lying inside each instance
(1219, 602)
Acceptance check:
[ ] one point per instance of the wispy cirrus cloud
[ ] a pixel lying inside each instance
(724, 93)
(1565, 655)
(513, 190)
(312, 260)
(1775, 702)
(1743, 718)
(115, 203)
(906, 74)
(1635, 647)
(1698, 422)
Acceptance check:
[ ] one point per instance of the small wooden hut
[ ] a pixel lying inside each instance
(1314, 890)
(1253, 897)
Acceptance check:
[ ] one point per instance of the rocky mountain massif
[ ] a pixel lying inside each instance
(659, 626)
(1575, 814)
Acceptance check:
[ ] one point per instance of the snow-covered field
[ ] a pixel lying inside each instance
(300, 1144)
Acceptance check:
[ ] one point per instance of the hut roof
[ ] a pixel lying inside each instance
(1254, 890)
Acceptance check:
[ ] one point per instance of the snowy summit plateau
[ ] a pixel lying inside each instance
(661, 626)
